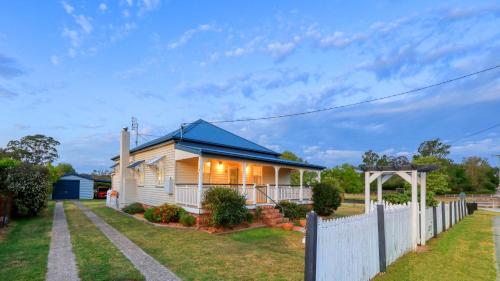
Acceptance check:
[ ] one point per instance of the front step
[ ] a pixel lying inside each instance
(271, 216)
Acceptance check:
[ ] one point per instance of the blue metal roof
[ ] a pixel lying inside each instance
(201, 131)
(135, 164)
(208, 150)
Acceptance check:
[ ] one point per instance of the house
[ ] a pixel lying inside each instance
(73, 186)
(178, 167)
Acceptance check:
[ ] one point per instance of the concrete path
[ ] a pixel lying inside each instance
(496, 237)
(62, 263)
(147, 265)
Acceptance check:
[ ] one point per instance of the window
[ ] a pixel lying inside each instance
(140, 175)
(160, 174)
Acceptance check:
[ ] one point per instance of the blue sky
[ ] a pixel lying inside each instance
(78, 71)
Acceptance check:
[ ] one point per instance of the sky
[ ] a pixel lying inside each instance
(79, 70)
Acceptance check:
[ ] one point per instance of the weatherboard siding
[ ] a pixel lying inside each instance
(86, 186)
(150, 193)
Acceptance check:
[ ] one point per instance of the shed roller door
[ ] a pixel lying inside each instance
(66, 189)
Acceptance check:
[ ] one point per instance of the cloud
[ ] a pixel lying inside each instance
(8, 67)
(68, 8)
(279, 51)
(247, 84)
(21, 127)
(148, 5)
(54, 60)
(84, 23)
(5, 93)
(73, 36)
(487, 146)
(103, 7)
(188, 35)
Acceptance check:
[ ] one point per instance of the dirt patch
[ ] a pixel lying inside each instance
(422, 249)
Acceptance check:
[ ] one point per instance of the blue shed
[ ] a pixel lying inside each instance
(73, 186)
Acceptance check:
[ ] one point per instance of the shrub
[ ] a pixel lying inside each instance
(258, 213)
(326, 198)
(402, 198)
(292, 210)
(133, 208)
(187, 219)
(226, 206)
(151, 215)
(170, 213)
(165, 213)
(29, 186)
(249, 217)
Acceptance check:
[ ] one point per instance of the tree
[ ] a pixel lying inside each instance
(345, 177)
(437, 181)
(434, 148)
(480, 174)
(35, 149)
(370, 158)
(56, 172)
(309, 177)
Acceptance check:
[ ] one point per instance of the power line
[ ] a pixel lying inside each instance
(361, 102)
(475, 133)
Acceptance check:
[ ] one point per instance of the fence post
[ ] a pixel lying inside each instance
(443, 215)
(451, 213)
(434, 220)
(381, 238)
(311, 247)
(456, 211)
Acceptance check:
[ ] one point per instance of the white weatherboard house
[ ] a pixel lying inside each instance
(178, 167)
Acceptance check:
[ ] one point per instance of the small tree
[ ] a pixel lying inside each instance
(226, 206)
(326, 198)
(29, 187)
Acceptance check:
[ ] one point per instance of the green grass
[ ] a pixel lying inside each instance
(465, 252)
(25, 247)
(349, 209)
(258, 254)
(97, 258)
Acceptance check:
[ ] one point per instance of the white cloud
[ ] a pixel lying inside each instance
(188, 34)
(148, 5)
(238, 52)
(281, 50)
(103, 7)
(84, 23)
(73, 36)
(125, 13)
(68, 8)
(54, 59)
(71, 52)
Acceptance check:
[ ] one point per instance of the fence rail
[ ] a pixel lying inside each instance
(359, 247)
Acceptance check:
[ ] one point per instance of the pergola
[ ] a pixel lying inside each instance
(412, 174)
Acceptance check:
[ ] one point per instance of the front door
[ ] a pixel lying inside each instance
(233, 175)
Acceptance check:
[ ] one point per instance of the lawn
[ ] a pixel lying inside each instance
(258, 254)
(465, 252)
(97, 258)
(25, 246)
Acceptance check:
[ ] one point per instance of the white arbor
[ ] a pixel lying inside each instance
(414, 175)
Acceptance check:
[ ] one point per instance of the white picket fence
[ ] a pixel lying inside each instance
(348, 248)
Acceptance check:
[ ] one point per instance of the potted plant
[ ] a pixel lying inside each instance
(288, 226)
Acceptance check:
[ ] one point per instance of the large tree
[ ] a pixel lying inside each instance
(480, 174)
(309, 177)
(35, 149)
(345, 177)
(434, 148)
